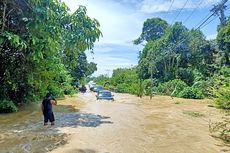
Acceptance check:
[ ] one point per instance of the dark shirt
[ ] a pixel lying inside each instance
(47, 105)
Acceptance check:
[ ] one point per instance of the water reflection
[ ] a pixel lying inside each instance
(80, 119)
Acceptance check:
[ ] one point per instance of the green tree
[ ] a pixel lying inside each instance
(153, 29)
(223, 39)
(38, 57)
(91, 68)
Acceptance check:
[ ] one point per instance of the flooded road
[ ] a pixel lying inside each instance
(134, 125)
(127, 125)
(23, 132)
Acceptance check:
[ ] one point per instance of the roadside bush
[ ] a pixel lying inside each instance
(223, 100)
(186, 75)
(203, 87)
(69, 90)
(198, 76)
(225, 71)
(102, 79)
(7, 106)
(148, 84)
(215, 83)
(191, 93)
(127, 88)
(220, 129)
(56, 91)
(121, 88)
(173, 87)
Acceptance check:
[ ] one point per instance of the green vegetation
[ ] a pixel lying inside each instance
(102, 80)
(193, 114)
(8, 106)
(42, 48)
(125, 80)
(172, 87)
(190, 92)
(122, 80)
(221, 128)
(178, 62)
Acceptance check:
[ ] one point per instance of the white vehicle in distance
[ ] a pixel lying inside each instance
(91, 85)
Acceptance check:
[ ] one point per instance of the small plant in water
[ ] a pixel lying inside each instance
(193, 113)
(221, 129)
(177, 102)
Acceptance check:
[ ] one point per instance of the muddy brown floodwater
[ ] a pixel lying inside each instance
(127, 125)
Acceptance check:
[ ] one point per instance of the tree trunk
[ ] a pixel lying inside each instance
(4, 16)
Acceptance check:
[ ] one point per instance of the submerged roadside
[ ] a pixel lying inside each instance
(129, 124)
(132, 124)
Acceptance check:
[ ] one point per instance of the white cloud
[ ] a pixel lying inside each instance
(103, 49)
(212, 36)
(155, 6)
(120, 25)
(121, 22)
(107, 63)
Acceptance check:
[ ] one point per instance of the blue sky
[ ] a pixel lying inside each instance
(121, 22)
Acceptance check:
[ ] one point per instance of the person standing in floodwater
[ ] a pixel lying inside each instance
(47, 109)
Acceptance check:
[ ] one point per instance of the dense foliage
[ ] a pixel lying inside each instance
(179, 62)
(42, 49)
(184, 64)
(122, 80)
(125, 80)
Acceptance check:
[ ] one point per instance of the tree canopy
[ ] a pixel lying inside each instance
(152, 29)
(41, 45)
(223, 39)
(180, 62)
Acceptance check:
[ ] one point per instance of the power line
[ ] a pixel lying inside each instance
(197, 6)
(212, 20)
(219, 11)
(202, 25)
(209, 18)
(208, 23)
(180, 10)
(205, 20)
(169, 8)
(199, 27)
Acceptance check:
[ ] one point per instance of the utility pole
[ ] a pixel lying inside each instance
(218, 10)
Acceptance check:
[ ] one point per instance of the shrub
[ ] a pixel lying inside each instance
(102, 79)
(69, 90)
(225, 71)
(56, 91)
(127, 88)
(223, 100)
(198, 76)
(192, 93)
(203, 87)
(186, 75)
(7, 106)
(221, 129)
(193, 114)
(173, 87)
(215, 83)
(149, 86)
(121, 88)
